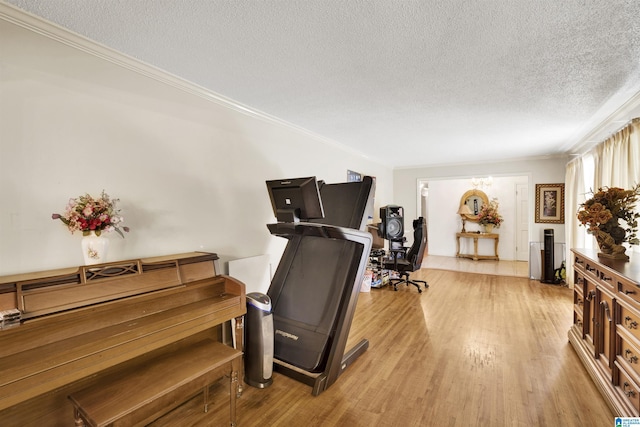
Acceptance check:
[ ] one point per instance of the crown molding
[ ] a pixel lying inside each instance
(607, 127)
(60, 34)
(474, 163)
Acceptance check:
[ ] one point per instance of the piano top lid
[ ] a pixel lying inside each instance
(183, 258)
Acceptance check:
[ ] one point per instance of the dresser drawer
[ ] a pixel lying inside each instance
(628, 388)
(630, 290)
(579, 322)
(590, 269)
(578, 301)
(630, 321)
(605, 278)
(628, 351)
(579, 262)
(578, 280)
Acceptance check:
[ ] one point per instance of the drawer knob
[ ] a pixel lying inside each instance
(629, 292)
(632, 358)
(579, 261)
(629, 393)
(589, 268)
(629, 323)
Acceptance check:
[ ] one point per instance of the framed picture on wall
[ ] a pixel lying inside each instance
(550, 203)
(353, 176)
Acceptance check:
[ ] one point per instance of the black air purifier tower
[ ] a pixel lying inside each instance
(548, 256)
(258, 357)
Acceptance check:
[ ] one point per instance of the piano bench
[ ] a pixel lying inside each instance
(141, 393)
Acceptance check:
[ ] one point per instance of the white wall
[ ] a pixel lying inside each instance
(451, 182)
(189, 170)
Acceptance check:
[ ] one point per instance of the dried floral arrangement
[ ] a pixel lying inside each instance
(604, 210)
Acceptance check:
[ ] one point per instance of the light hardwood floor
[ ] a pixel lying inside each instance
(472, 350)
(501, 268)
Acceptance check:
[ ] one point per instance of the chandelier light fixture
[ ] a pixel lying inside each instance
(482, 182)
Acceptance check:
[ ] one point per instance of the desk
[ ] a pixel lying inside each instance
(475, 237)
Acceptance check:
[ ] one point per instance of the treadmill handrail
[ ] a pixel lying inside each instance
(289, 230)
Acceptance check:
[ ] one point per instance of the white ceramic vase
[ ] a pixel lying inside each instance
(94, 248)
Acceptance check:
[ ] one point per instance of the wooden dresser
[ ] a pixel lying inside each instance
(606, 327)
(82, 324)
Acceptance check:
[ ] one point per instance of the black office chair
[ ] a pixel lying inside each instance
(406, 261)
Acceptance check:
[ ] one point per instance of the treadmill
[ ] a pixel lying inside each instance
(316, 285)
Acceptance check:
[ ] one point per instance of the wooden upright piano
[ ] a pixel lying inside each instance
(78, 325)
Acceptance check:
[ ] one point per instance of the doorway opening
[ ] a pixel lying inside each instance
(423, 190)
(438, 202)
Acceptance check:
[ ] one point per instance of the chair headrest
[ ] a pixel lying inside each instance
(418, 222)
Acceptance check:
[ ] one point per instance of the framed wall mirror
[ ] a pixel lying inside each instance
(474, 199)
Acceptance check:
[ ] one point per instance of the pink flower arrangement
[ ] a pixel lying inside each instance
(87, 214)
(489, 214)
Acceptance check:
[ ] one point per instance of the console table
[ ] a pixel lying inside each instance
(475, 237)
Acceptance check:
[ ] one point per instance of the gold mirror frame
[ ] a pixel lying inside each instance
(474, 199)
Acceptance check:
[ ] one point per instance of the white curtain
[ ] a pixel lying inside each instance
(574, 196)
(616, 164)
(617, 160)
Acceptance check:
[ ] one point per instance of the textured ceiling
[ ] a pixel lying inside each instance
(410, 83)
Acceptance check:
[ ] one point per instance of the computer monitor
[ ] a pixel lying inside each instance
(296, 199)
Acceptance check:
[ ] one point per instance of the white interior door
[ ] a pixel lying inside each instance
(522, 222)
